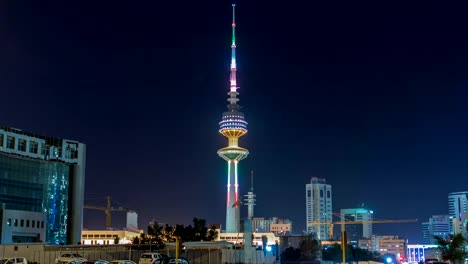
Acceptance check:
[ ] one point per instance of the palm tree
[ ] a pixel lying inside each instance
(452, 249)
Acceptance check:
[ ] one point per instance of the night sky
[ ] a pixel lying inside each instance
(369, 95)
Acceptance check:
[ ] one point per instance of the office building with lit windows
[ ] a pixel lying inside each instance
(437, 225)
(357, 231)
(319, 208)
(41, 188)
(458, 203)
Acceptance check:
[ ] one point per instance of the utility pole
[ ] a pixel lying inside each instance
(177, 248)
(344, 243)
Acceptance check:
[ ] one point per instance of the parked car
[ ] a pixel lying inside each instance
(75, 262)
(122, 262)
(69, 257)
(180, 261)
(153, 258)
(99, 261)
(18, 260)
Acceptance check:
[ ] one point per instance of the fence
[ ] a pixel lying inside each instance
(44, 254)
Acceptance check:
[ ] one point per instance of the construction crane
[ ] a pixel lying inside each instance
(107, 210)
(342, 223)
(343, 232)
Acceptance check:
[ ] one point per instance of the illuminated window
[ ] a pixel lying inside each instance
(22, 145)
(68, 153)
(45, 150)
(33, 146)
(11, 142)
(9, 222)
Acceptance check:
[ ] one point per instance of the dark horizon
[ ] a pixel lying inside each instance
(369, 96)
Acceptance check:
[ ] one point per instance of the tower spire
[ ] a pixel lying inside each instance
(233, 80)
(251, 181)
(234, 24)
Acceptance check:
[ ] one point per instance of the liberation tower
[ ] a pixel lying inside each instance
(233, 126)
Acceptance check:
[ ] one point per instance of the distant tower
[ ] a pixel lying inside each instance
(233, 126)
(319, 207)
(250, 199)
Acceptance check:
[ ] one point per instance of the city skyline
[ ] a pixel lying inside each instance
(368, 97)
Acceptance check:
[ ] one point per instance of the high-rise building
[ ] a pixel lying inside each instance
(438, 225)
(319, 208)
(458, 204)
(357, 231)
(233, 126)
(41, 188)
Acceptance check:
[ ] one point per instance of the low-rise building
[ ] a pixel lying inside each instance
(418, 253)
(22, 226)
(238, 238)
(108, 237)
(386, 245)
(273, 224)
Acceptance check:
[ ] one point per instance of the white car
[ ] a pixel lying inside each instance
(123, 261)
(18, 260)
(68, 257)
(152, 258)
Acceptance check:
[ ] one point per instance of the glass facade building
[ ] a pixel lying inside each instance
(43, 175)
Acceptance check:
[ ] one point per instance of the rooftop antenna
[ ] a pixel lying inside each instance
(250, 198)
(251, 181)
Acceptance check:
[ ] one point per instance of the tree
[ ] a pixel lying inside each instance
(168, 233)
(309, 248)
(116, 240)
(452, 249)
(155, 235)
(353, 254)
(291, 254)
(199, 229)
(332, 253)
(212, 234)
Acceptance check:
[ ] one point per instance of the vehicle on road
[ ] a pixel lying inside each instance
(69, 257)
(17, 260)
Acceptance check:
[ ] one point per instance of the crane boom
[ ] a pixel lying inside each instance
(107, 210)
